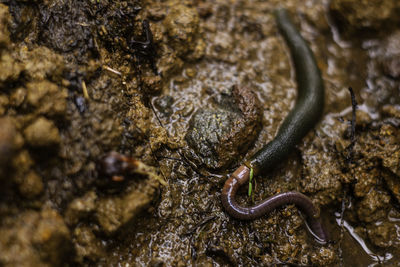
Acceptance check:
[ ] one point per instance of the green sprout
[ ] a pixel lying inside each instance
(251, 181)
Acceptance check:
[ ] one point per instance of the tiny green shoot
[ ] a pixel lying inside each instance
(250, 181)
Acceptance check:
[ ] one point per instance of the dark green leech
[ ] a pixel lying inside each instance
(309, 104)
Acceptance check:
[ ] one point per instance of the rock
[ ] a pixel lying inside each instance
(47, 98)
(207, 126)
(42, 133)
(219, 135)
(366, 16)
(35, 239)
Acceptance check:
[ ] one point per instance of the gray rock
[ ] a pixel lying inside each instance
(219, 135)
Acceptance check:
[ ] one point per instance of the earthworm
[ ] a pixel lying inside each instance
(300, 120)
(241, 176)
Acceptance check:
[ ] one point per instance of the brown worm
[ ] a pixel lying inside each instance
(241, 176)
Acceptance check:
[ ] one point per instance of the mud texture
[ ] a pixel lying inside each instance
(187, 98)
(365, 17)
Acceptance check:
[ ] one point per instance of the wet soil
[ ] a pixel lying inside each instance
(185, 104)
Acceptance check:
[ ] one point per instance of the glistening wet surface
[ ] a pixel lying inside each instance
(76, 86)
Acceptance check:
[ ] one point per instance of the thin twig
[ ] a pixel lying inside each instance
(353, 125)
(350, 160)
(85, 91)
(112, 70)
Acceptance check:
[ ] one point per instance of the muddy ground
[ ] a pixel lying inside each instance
(163, 83)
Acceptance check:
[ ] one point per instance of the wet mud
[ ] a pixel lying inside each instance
(183, 92)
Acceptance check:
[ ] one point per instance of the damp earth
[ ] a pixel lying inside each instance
(181, 93)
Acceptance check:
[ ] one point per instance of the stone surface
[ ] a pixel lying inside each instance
(220, 134)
